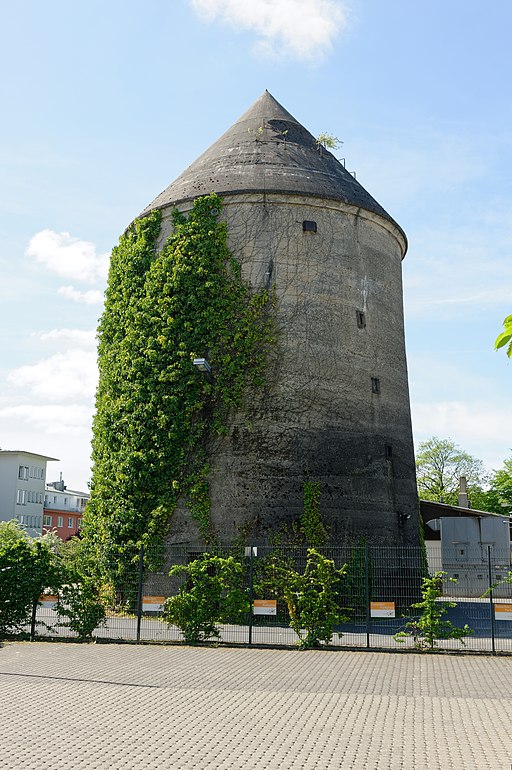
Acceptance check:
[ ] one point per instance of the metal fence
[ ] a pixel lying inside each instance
(376, 593)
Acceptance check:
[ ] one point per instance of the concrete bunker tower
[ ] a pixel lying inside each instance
(335, 408)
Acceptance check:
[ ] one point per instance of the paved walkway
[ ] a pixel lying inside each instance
(119, 707)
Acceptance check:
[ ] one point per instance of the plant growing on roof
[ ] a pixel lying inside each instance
(328, 142)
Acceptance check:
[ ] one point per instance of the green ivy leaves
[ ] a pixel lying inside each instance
(311, 522)
(155, 412)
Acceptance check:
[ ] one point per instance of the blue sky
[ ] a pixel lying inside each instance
(105, 104)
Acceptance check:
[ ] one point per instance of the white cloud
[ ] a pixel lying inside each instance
(304, 29)
(481, 428)
(91, 297)
(70, 419)
(68, 256)
(86, 338)
(464, 264)
(56, 430)
(63, 376)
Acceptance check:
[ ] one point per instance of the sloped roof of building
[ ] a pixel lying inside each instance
(29, 454)
(268, 150)
(432, 508)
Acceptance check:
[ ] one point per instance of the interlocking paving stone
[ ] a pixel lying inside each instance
(117, 707)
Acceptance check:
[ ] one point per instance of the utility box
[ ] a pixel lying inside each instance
(465, 544)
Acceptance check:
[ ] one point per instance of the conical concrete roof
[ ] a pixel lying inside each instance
(267, 150)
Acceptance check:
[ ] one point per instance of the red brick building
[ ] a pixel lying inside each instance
(63, 509)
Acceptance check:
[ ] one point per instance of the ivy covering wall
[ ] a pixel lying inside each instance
(154, 410)
(311, 522)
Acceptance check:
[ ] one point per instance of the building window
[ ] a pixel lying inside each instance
(21, 497)
(60, 521)
(375, 385)
(65, 501)
(23, 472)
(308, 226)
(70, 522)
(47, 521)
(361, 319)
(389, 452)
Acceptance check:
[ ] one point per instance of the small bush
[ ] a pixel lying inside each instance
(430, 626)
(213, 592)
(80, 603)
(312, 598)
(27, 567)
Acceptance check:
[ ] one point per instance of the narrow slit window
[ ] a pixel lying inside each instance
(389, 452)
(309, 226)
(375, 385)
(361, 319)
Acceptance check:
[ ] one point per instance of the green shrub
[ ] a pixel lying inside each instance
(312, 598)
(27, 567)
(213, 593)
(430, 626)
(80, 603)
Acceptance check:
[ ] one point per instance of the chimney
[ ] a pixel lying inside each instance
(463, 493)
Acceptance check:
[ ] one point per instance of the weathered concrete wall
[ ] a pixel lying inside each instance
(318, 416)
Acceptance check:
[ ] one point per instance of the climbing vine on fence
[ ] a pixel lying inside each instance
(154, 409)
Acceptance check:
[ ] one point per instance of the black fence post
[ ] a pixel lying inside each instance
(367, 593)
(139, 590)
(491, 600)
(35, 602)
(251, 591)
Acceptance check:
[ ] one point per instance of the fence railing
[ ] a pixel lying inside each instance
(377, 592)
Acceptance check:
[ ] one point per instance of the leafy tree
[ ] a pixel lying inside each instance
(501, 488)
(11, 531)
(505, 338)
(213, 593)
(430, 626)
(440, 463)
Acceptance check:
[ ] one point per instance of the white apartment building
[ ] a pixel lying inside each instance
(22, 488)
